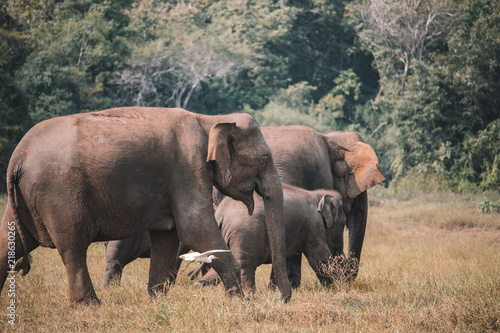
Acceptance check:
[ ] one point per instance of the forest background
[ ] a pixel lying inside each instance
(419, 79)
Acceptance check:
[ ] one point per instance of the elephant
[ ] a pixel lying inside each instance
(113, 174)
(337, 160)
(313, 220)
(310, 160)
(121, 252)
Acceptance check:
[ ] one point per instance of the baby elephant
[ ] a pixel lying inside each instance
(313, 219)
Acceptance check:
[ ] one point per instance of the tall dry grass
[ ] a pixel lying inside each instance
(430, 263)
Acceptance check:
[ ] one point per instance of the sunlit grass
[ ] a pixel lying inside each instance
(429, 263)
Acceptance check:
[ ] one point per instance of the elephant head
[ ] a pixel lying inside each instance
(354, 165)
(243, 163)
(355, 169)
(331, 208)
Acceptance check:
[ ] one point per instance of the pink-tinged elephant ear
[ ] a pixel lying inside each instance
(364, 169)
(220, 149)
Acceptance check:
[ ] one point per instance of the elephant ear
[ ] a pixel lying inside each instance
(221, 149)
(327, 209)
(364, 170)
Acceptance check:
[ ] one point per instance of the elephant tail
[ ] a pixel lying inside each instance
(24, 265)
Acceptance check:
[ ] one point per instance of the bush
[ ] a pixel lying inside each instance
(489, 207)
(341, 270)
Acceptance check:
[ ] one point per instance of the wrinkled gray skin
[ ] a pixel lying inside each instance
(307, 159)
(117, 173)
(121, 253)
(313, 220)
(337, 160)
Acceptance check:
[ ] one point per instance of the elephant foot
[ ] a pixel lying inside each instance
(112, 275)
(114, 281)
(295, 282)
(159, 289)
(235, 292)
(206, 283)
(194, 273)
(90, 300)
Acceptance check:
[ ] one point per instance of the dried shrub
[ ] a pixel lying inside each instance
(341, 270)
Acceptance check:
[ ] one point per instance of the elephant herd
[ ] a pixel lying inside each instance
(155, 182)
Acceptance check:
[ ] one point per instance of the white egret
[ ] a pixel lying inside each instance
(205, 257)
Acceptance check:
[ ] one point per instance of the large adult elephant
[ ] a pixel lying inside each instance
(113, 174)
(306, 159)
(337, 160)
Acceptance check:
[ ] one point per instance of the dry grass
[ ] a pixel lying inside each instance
(429, 264)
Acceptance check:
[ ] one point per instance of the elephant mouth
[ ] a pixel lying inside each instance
(247, 199)
(250, 206)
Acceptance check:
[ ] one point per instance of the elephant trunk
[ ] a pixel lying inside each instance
(356, 223)
(112, 273)
(324, 273)
(272, 194)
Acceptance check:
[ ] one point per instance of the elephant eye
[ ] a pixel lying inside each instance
(262, 162)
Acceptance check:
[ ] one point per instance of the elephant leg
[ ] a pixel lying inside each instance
(119, 253)
(294, 269)
(113, 270)
(162, 269)
(81, 289)
(292, 275)
(203, 269)
(229, 271)
(183, 249)
(208, 237)
(210, 278)
(11, 247)
(248, 278)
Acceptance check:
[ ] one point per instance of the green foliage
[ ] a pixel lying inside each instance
(76, 54)
(295, 106)
(473, 66)
(291, 106)
(276, 114)
(437, 87)
(14, 119)
(203, 55)
(418, 79)
(338, 105)
(482, 163)
(488, 207)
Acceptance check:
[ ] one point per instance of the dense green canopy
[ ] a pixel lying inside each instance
(420, 80)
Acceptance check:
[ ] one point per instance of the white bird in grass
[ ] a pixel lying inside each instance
(205, 257)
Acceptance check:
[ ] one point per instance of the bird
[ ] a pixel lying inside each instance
(205, 257)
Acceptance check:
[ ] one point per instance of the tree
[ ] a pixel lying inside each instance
(471, 70)
(399, 31)
(77, 52)
(185, 46)
(13, 109)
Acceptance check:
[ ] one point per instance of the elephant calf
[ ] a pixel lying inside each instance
(312, 220)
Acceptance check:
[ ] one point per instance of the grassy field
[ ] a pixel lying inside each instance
(430, 263)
